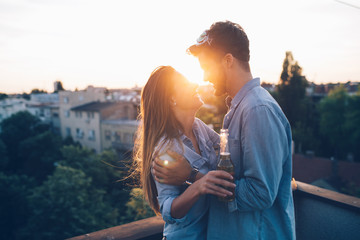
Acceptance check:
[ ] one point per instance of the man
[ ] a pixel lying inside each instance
(259, 141)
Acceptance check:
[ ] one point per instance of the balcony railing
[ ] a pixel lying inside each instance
(320, 214)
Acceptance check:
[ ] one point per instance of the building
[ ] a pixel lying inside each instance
(82, 114)
(10, 106)
(119, 134)
(46, 107)
(83, 123)
(70, 99)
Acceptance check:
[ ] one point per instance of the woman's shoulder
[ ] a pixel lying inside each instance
(203, 126)
(165, 144)
(200, 124)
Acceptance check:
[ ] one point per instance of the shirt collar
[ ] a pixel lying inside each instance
(243, 91)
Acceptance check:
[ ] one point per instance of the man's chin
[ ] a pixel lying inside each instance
(219, 92)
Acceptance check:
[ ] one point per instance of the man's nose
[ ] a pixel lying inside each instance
(206, 77)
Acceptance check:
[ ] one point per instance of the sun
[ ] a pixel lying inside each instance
(190, 68)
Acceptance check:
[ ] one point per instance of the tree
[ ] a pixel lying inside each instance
(25, 96)
(37, 91)
(106, 171)
(352, 126)
(38, 154)
(15, 129)
(3, 156)
(67, 205)
(14, 209)
(333, 111)
(291, 90)
(137, 207)
(58, 86)
(298, 108)
(3, 96)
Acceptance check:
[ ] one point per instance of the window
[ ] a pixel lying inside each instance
(107, 135)
(68, 132)
(127, 114)
(66, 100)
(67, 113)
(78, 114)
(117, 136)
(79, 133)
(90, 115)
(91, 135)
(127, 138)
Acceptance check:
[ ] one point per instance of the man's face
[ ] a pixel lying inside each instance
(213, 72)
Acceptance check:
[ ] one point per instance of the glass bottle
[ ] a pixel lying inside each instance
(225, 162)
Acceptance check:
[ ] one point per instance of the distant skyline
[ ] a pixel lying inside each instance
(116, 44)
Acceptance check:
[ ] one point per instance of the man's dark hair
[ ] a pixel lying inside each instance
(227, 37)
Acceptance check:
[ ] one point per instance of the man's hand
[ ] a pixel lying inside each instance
(174, 174)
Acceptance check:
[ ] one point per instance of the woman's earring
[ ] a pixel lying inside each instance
(174, 104)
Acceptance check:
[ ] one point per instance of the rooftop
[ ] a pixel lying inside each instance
(93, 106)
(121, 122)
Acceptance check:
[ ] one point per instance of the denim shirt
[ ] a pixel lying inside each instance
(193, 225)
(260, 147)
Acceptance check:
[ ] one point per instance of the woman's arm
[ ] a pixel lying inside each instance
(208, 184)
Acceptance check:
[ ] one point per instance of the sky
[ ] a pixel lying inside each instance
(117, 44)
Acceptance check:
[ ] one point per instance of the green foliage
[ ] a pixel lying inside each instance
(85, 193)
(4, 160)
(67, 205)
(15, 129)
(297, 107)
(3, 96)
(340, 124)
(333, 110)
(38, 154)
(137, 207)
(14, 209)
(105, 170)
(352, 126)
(37, 91)
(25, 96)
(30, 147)
(59, 86)
(291, 90)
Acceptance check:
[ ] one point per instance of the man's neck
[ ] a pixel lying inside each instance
(237, 82)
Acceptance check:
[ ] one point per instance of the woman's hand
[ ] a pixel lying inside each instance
(214, 182)
(210, 183)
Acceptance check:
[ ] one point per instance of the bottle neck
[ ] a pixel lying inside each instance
(224, 145)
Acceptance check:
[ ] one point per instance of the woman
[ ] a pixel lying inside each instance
(169, 103)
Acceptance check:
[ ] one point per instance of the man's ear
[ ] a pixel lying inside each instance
(228, 60)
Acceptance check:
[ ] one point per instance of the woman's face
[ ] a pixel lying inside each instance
(185, 94)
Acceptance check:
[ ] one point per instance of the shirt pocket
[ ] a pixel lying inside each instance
(235, 151)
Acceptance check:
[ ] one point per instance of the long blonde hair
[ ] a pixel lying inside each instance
(157, 121)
